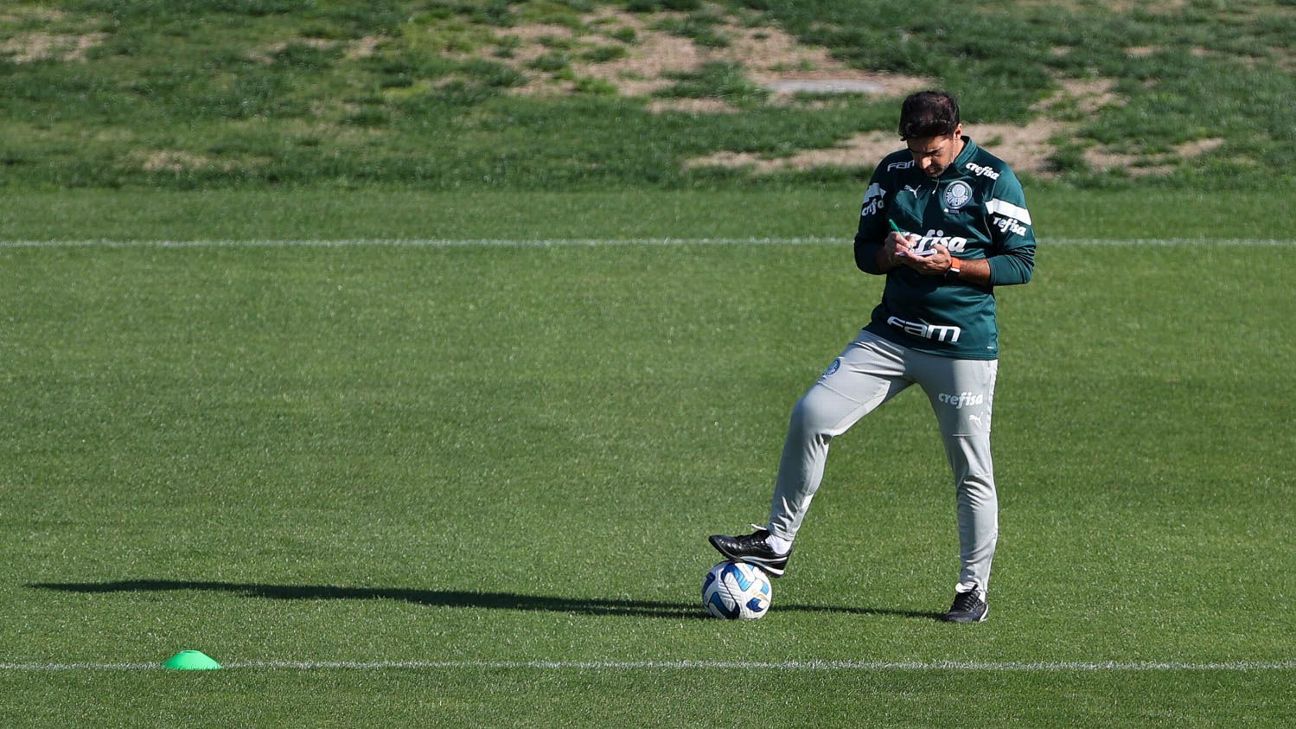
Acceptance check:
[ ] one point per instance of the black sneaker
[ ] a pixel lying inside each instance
(969, 607)
(752, 549)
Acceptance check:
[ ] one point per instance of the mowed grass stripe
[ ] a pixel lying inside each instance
(686, 665)
(589, 242)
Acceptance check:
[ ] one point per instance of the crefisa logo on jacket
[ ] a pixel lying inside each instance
(957, 195)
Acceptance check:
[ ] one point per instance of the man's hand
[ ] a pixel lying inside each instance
(935, 264)
(897, 249)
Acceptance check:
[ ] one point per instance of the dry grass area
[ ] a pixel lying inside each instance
(20, 14)
(1086, 95)
(1160, 7)
(38, 46)
(1027, 148)
(363, 47)
(352, 50)
(860, 150)
(1148, 6)
(691, 106)
(640, 55)
(646, 65)
(179, 161)
(1145, 165)
(57, 39)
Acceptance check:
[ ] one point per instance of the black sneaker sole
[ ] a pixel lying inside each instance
(772, 567)
(950, 618)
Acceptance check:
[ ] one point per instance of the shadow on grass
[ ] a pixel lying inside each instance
(449, 598)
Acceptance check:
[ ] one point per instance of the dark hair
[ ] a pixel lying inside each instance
(928, 114)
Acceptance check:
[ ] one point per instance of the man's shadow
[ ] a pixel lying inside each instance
(450, 598)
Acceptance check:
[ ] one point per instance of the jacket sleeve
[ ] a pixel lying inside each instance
(873, 222)
(1013, 260)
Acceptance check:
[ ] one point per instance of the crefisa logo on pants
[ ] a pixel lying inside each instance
(962, 400)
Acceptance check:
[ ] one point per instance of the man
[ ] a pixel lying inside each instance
(945, 221)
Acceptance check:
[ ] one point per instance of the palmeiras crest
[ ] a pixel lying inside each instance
(957, 195)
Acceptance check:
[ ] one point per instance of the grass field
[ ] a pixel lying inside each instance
(614, 214)
(398, 355)
(498, 463)
(550, 94)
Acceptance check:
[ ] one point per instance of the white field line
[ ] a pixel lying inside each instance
(812, 665)
(591, 242)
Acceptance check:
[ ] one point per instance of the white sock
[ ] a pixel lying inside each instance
(778, 544)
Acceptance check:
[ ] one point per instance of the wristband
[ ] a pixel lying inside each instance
(952, 273)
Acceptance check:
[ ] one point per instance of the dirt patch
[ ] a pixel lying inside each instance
(172, 161)
(1135, 165)
(267, 54)
(537, 32)
(1152, 6)
(690, 106)
(778, 60)
(646, 64)
(20, 14)
(1090, 95)
(1024, 148)
(794, 101)
(1115, 6)
(363, 47)
(1144, 165)
(30, 47)
(352, 51)
(178, 161)
(1197, 148)
(861, 150)
(644, 67)
(1083, 96)
(822, 86)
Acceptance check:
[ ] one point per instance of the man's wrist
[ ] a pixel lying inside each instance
(954, 270)
(885, 260)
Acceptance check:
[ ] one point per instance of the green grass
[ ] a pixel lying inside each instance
(385, 453)
(718, 81)
(523, 698)
(239, 93)
(821, 211)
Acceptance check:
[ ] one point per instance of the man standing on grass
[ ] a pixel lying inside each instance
(945, 221)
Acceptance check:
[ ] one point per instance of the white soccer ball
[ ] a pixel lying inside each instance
(736, 591)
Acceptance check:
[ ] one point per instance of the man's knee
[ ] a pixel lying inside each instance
(820, 412)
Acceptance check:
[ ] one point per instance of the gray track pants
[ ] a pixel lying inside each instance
(870, 371)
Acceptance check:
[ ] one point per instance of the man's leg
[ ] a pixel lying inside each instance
(978, 508)
(869, 372)
(962, 395)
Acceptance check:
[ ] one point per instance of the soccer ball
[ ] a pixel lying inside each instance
(736, 591)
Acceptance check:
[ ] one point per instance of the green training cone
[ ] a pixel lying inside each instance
(190, 661)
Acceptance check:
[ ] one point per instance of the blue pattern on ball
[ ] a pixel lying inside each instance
(718, 604)
(736, 591)
(739, 574)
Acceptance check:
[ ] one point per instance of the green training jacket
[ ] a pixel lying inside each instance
(976, 209)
